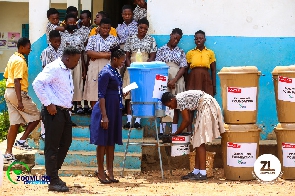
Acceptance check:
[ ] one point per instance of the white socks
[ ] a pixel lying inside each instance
(162, 127)
(42, 128)
(203, 172)
(21, 141)
(174, 128)
(196, 171)
(129, 117)
(137, 120)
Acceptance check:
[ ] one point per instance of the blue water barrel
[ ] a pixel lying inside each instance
(144, 74)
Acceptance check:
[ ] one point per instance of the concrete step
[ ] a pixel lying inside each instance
(79, 170)
(84, 132)
(82, 144)
(83, 158)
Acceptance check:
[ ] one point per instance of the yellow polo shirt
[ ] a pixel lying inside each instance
(198, 58)
(17, 68)
(112, 32)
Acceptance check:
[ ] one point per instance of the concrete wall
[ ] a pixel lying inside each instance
(13, 15)
(240, 32)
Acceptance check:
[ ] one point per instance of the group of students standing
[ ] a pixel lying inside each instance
(86, 63)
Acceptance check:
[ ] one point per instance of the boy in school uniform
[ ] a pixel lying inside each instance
(21, 108)
(53, 22)
(100, 15)
(141, 10)
(73, 11)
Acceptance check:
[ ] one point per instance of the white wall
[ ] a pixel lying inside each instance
(251, 18)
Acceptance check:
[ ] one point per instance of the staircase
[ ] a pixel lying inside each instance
(81, 157)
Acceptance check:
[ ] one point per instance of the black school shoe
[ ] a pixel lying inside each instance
(127, 125)
(59, 187)
(198, 176)
(137, 125)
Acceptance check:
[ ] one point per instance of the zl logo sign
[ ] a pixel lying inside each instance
(267, 168)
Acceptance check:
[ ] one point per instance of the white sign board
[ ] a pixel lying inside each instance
(241, 99)
(160, 86)
(286, 89)
(288, 154)
(241, 154)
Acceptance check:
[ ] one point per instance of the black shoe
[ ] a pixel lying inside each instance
(80, 111)
(58, 187)
(137, 125)
(87, 110)
(127, 125)
(73, 124)
(42, 136)
(62, 182)
(187, 176)
(199, 176)
(160, 136)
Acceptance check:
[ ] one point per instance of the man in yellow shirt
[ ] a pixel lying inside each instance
(100, 15)
(21, 108)
(200, 61)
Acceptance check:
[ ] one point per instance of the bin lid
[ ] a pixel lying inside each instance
(283, 69)
(239, 70)
(148, 65)
(285, 126)
(241, 127)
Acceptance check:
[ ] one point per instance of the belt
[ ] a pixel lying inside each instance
(62, 108)
(206, 68)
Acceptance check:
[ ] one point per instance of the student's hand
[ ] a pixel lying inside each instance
(126, 94)
(171, 84)
(107, 55)
(51, 109)
(92, 59)
(104, 122)
(20, 106)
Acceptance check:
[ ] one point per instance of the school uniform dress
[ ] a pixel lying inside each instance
(208, 120)
(49, 55)
(98, 44)
(109, 88)
(199, 77)
(146, 45)
(139, 13)
(175, 59)
(75, 39)
(54, 85)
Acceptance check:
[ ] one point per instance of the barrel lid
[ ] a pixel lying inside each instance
(147, 65)
(241, 127)
(239, 70)
(285, 126)
(283, 69)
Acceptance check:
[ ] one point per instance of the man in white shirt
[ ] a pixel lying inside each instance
(54, 87)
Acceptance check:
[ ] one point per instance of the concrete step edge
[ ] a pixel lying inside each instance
(93, 153)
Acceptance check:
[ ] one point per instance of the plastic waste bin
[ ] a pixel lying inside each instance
(239, 90)
(284, 85)
(240, 149)
(285, 133)
(152, 79)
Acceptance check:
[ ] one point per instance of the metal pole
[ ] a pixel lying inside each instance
(126, 149)
(159, 149)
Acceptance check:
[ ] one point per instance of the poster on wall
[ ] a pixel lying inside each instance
(288, 154)
(13, 37)
(160, 86)
(3, 40)
(286, 89)
(241, 154)
(241, 99)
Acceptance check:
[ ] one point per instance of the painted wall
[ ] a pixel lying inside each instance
(11, 22)
(241, 33)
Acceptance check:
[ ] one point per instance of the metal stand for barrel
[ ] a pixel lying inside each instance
(156, 115)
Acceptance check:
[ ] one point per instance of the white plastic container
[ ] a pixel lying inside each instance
(183, 147)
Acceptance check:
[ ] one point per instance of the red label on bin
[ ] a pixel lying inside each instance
(234, 90)
(287, 145)
(285, 79)
(233, 145)
(160, 77)
(178, 139)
